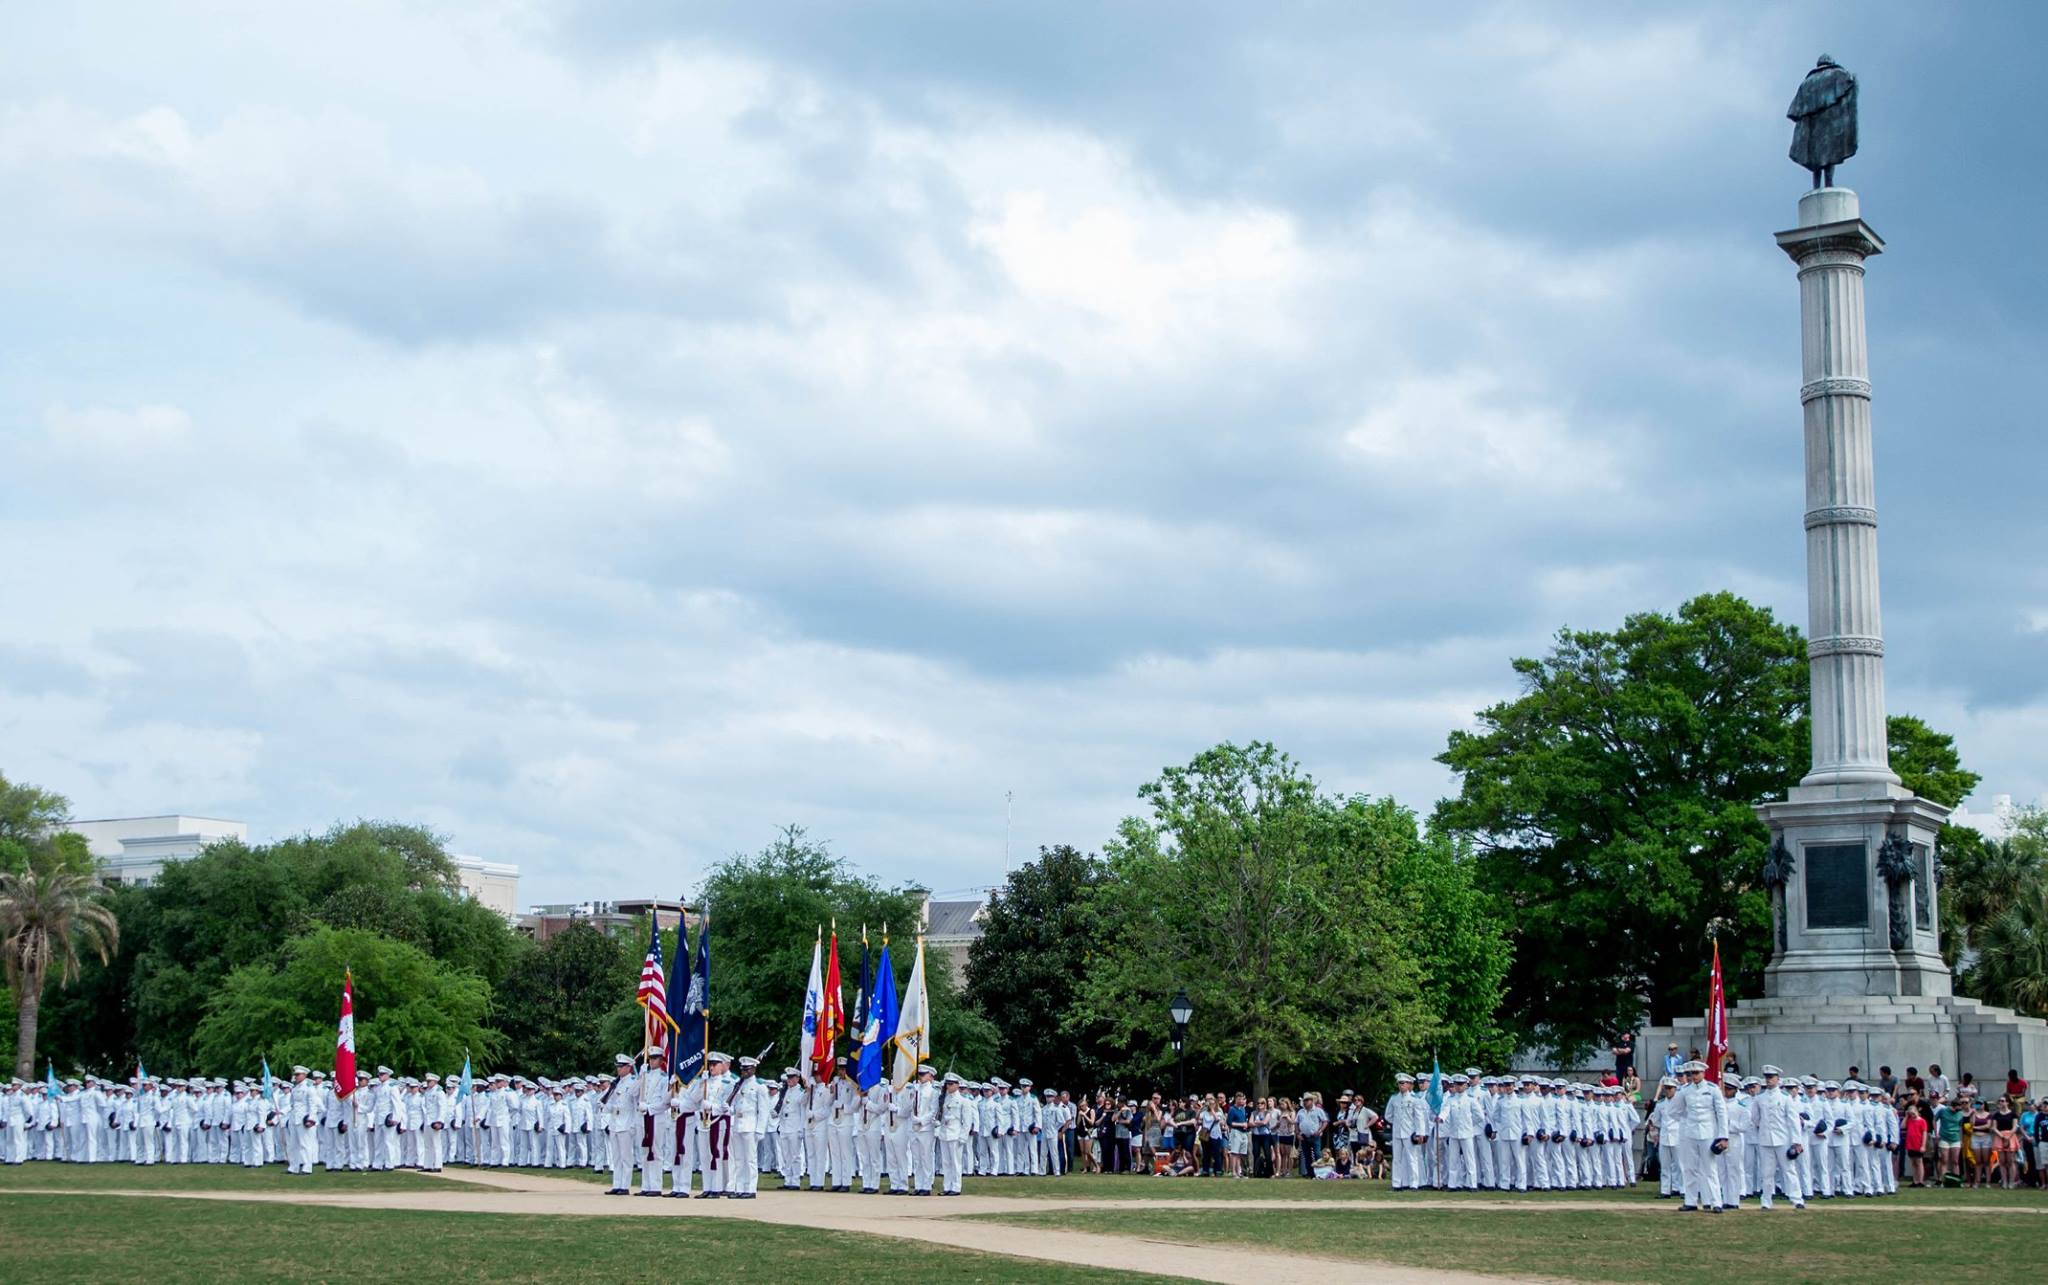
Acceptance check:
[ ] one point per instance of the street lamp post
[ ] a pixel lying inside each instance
(1181, 1010)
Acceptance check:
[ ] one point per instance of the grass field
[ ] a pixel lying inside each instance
(205, 1178)
(112, 1239)
(1655, 1245)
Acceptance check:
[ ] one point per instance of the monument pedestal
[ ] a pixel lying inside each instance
(1853, 897)
(1827, 1034)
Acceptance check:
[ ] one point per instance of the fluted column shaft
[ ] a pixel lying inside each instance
(1845, 630)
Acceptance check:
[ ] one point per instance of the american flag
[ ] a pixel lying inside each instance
(653, 995)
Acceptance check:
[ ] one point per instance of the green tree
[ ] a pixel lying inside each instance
(410, 1010)
(32, 832)
(553, 1007)
(235, 906)
(45, 916)
(1039, 933)
(1610, 810)
(766, 911)
(1271, 905)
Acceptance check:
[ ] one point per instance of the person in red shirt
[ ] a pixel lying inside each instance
(2015, 1087)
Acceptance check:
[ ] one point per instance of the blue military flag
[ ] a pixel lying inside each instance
(880, 1026)
(864, 986)
(691, 1009)
(268, 1094)
(50, 1089)
(462, 1090)
(1436, 1086)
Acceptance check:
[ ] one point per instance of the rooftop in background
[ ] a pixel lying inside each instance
(951, 928)
(544, 921)
(134, 850)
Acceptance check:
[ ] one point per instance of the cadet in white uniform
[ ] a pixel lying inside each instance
(951, 1133)
(1781, 1138)
(656, 1141)
(877, 1117)
(620, 1106)
(706, 1100)
(924, 1121)
(751, 1112)
(1703, 1136)
(791, 1105)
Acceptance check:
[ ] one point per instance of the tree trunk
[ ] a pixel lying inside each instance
(30, 1001)
(1258, 1071)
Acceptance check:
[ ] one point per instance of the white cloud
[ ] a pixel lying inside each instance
(609, 451)
(108, 428)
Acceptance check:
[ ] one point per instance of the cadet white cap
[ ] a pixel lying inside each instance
(432, 1078)
(1771, 1070)
(718, 1057)
(750, 1061)
(300, 1070)
(1404, 1078)
(383, 1070)
(926, 1068)
(1024, 1084)
(622, 1059)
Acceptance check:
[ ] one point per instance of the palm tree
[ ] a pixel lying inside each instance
(2012, 952)
(44, 916)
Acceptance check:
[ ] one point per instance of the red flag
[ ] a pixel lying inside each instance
(1717, 1023)
(345, 1040)
(831, 1018)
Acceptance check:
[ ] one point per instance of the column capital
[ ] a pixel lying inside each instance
(1830, 219)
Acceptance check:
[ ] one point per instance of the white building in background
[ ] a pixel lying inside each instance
(134, 850)
(1997, 823)
(493, 885)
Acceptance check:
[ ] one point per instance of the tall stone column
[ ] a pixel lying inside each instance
(1852, 858)
(1846, 647)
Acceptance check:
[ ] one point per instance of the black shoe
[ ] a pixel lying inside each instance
(647, 1193)
(705, 1195)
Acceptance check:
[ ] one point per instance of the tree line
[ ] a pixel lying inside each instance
(1600, 839)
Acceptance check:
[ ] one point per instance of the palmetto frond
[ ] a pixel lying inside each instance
(44, 918)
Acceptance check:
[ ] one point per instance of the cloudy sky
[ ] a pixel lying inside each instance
(608, 432)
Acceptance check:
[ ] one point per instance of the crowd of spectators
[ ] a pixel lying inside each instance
(1229, 1136)
(1953, 1132)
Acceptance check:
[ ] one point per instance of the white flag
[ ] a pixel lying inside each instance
(913, 1026)
(814, 1000)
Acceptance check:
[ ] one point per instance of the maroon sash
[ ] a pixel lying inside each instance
(717, 1134)
(647, 1135)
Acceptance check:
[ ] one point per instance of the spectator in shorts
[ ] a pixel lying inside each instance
(1238, 1143)
(1916, 1144)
